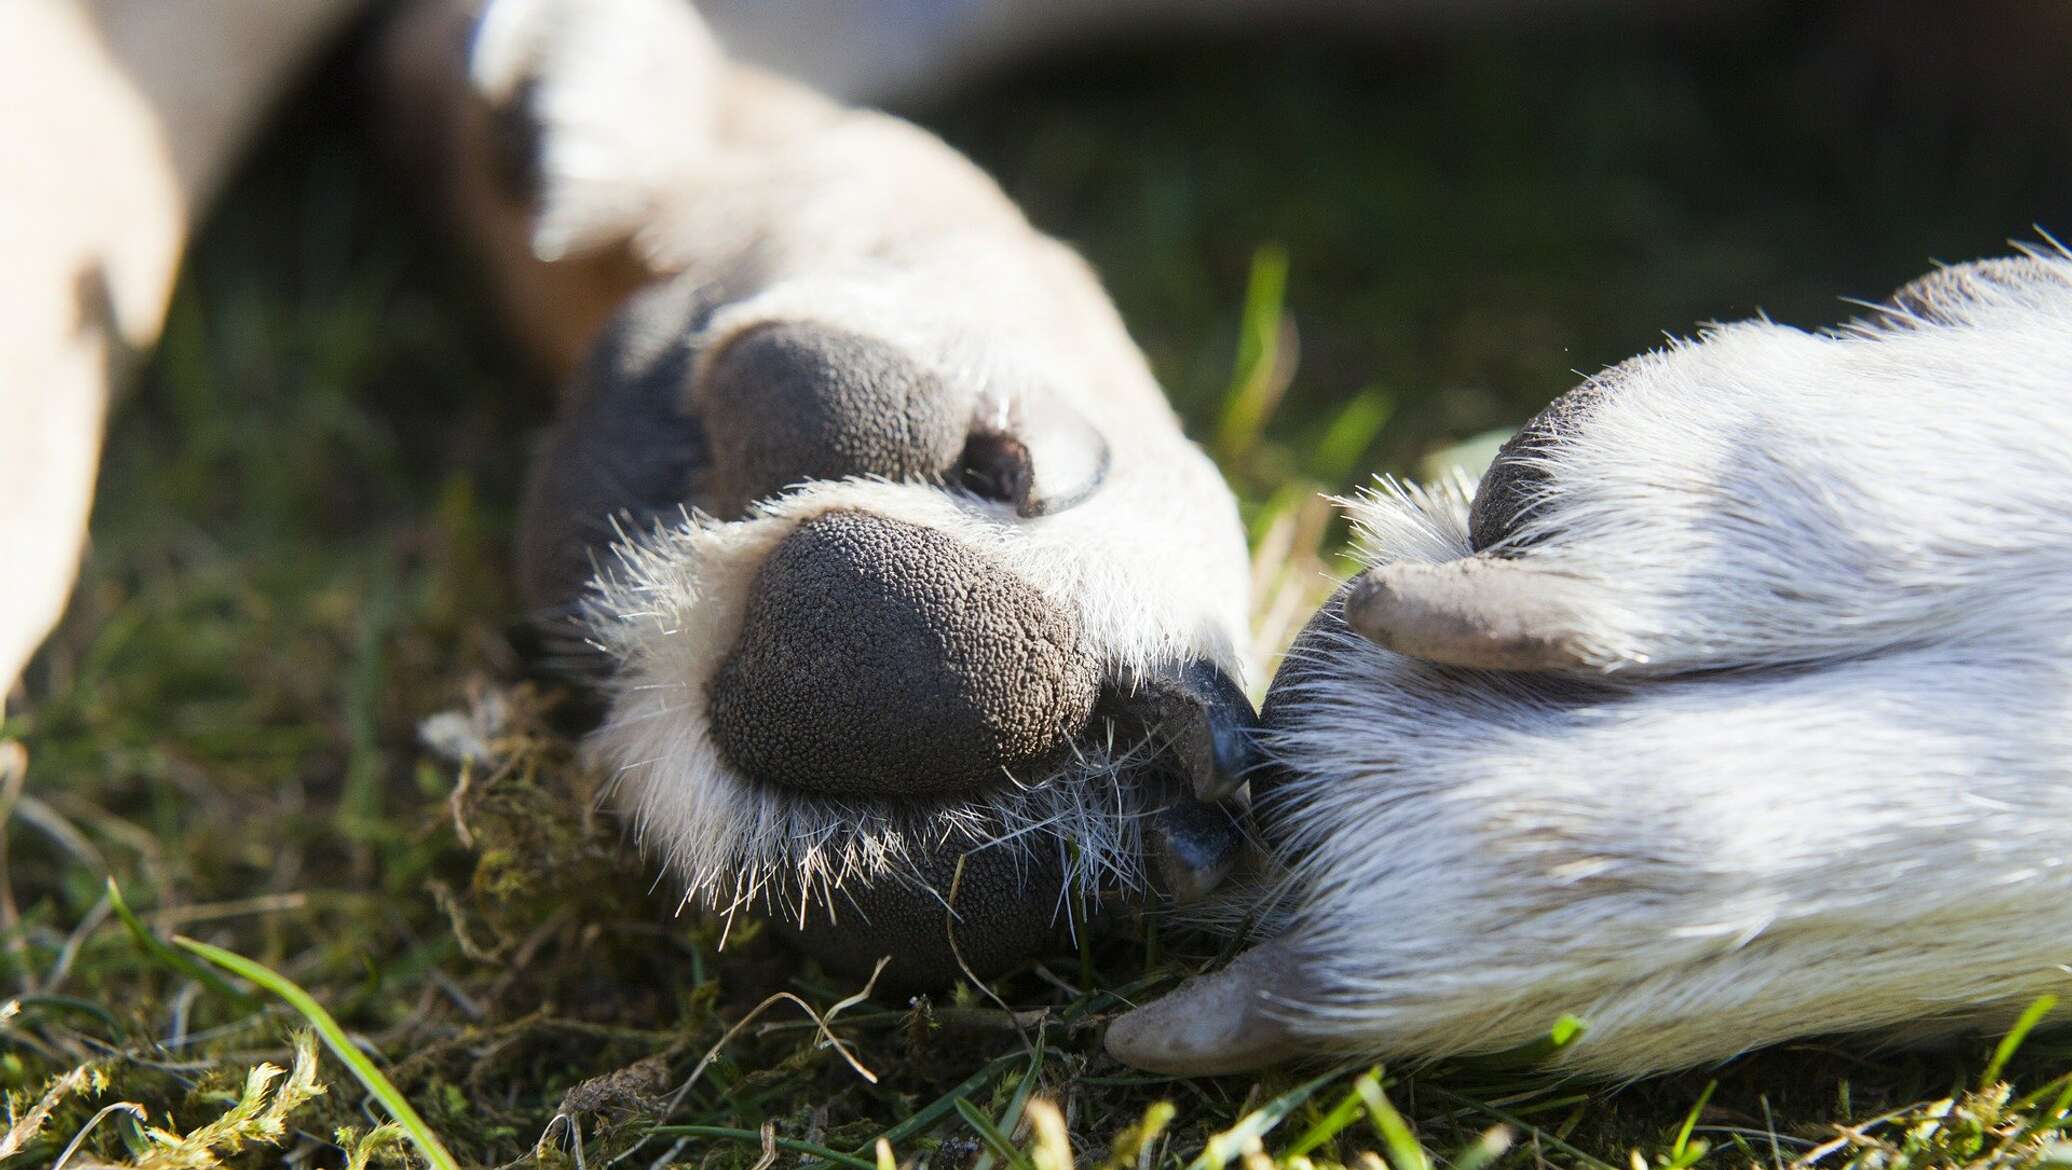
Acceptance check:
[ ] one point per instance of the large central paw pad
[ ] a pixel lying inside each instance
(881, 658)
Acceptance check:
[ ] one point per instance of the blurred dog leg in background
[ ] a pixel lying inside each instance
(118, 119)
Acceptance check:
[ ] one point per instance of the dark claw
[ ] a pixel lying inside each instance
(1047, 459)
(1192, 847)
(1204, 721)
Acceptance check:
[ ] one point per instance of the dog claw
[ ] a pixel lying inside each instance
(1042, 457)
(1205, 722)
(1214, 1024)
(1480, 612)
(1193, 847)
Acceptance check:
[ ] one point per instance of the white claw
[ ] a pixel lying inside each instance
(1214, 1024)
(1479, 612)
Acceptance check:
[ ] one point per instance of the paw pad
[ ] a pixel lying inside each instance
(880, 658)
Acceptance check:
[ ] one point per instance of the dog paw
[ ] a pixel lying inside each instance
(1511, 781)
(855, 626)
(600, 108)
(915, 613)
(826, 699)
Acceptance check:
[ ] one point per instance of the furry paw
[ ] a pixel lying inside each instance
(853, 628)
(1733, 708)
(915, 612)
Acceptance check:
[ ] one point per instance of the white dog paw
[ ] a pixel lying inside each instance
(854, 628)
(1819, 788)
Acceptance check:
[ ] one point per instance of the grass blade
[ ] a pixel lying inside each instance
(2005, 1050)
(1404, 1151)
(157, 949)
(1231, 1143)
(1533, 1132)
(1494, 1143)
(1690, 1122)
(941, 1106)
(334, 1037)
(1261, 374)
(1346, 1112)
(990, 1134)
(1012, 1115)
(1565, 1032)
(755, 1137)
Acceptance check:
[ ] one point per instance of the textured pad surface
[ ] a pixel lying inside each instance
(880, 658)
(785, 403)
(1006, 909)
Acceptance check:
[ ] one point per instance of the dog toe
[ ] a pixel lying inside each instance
(788, 402)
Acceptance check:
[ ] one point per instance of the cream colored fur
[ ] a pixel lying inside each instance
(117, 118)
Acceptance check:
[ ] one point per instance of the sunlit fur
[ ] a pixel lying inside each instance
(791, 209)
(1764, 495)
(1810, 776)
(1857, 824)
(668, 613)
(1852, 829)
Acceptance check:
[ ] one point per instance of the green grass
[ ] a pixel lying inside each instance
(1339, 264)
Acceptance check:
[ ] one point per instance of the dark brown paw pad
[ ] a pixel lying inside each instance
(880, 658)
(1007, 907)
(789, 402)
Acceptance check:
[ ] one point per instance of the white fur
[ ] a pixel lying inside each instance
(1872, 837)
(1764, 495)
(787, 208)
(669, 616)
(581, 69)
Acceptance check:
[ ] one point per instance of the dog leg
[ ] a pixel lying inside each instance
(1853, 826)
(119, 118)
(1765, 497)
